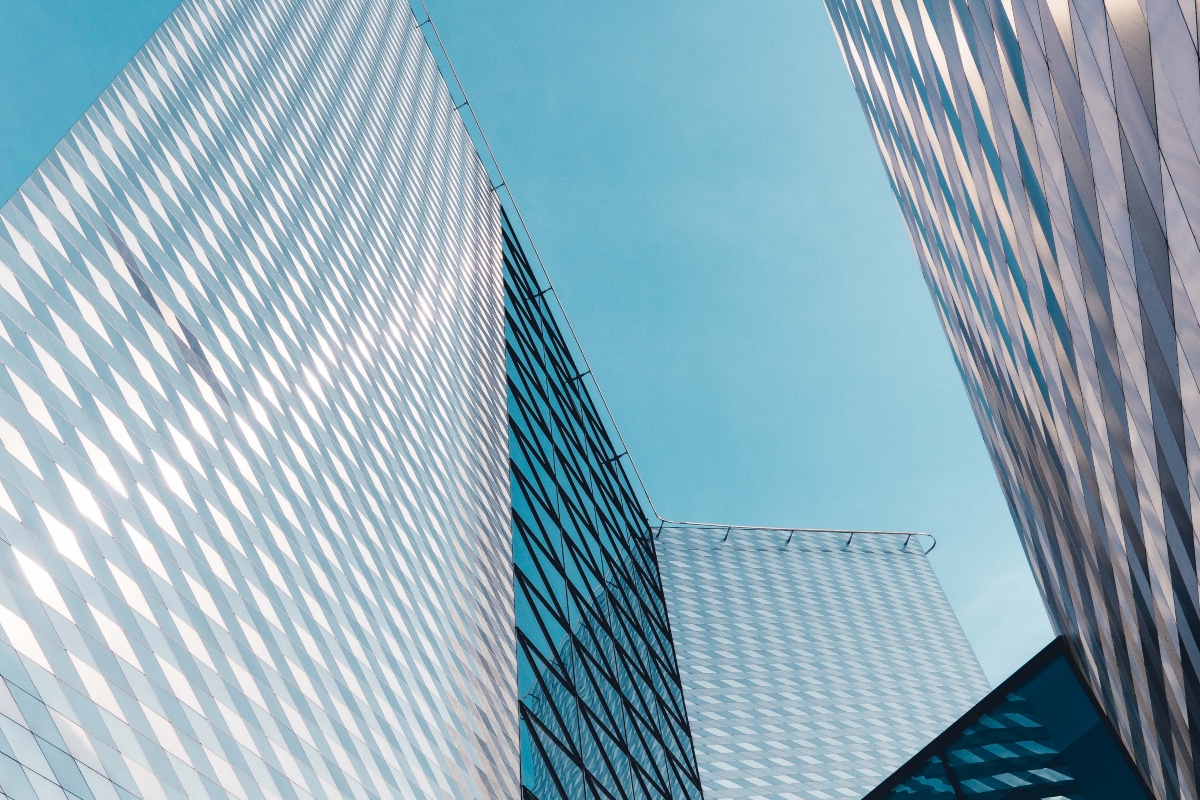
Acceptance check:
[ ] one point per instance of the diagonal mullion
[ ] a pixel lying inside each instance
(588, 568)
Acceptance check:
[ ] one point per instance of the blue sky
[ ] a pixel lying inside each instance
(701, 183)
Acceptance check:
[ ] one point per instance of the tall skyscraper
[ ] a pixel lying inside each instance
(1044, 155)
(256, 522)
(254, 499)
(814, 663)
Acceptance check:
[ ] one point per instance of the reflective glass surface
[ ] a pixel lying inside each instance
(1037, 737)
(602, 711)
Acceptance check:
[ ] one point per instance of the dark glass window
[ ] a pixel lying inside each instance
(1036, 737)
(602, 711)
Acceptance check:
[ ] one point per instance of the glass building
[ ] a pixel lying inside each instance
(814, 662)
(1044, 155)
(1038, 736)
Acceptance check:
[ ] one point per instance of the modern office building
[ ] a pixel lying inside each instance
(1044, 155)
(814, 662)
(1038, 736)
(255, 509)
(259, 422)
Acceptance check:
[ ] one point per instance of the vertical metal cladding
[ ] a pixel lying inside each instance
(812, 667)
(602, 711)
(1045, 157)
(254, 507)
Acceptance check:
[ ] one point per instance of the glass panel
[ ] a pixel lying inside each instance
(590, 716)
(1040, 739)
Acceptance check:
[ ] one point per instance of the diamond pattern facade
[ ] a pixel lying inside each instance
(1044, 154)
(812, 667)
(602, 710)
(254, 503)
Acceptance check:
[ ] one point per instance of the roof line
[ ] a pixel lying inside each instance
(851, 533)
(512, 200)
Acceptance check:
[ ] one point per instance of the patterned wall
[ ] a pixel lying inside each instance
(254, 510)
(812, 668)
(1044, 153)
(602, 711)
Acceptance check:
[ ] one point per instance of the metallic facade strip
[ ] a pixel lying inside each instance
(1044, 155)
(254, 502)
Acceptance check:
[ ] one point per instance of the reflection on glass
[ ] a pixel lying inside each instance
(1036, 737)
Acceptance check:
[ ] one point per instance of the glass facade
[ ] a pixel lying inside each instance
(602, 710)
(813, 663)
(254, 503)
(1039, 736)
(1044, 155)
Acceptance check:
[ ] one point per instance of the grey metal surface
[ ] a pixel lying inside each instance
(254, 505)
(812, 668)
(1044, 154)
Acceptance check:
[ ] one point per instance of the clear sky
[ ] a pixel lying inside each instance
(701, 182)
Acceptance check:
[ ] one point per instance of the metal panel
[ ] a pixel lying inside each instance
(814, 662)
(1044, 156)
(253, 492)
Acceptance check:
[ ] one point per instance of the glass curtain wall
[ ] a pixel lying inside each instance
(602, 710)
(1039, 736)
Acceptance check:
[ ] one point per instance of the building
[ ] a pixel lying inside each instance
(1039, 735)
(1044, 157)
(303, 492)
(814, 662)
(270, 355)
(254, 501)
